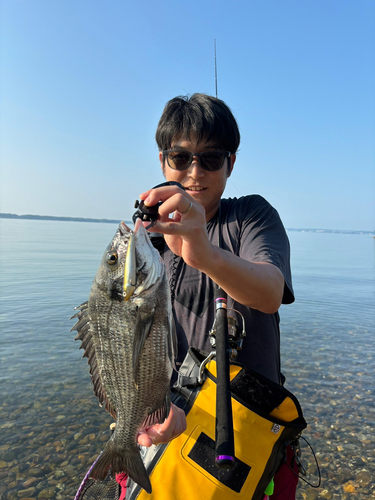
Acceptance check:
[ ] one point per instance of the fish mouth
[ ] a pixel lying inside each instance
(124, 229)
(139, 247)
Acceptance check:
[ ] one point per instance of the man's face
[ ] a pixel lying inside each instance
(205, 187)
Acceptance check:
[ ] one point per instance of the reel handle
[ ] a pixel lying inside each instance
(150, 214)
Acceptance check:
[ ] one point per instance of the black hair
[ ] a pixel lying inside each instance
(207, 118)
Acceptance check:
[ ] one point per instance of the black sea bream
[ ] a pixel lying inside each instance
(126, 332)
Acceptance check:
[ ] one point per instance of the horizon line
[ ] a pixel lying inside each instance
(6, 215)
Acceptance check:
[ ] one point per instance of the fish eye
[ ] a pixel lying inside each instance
(112, 258)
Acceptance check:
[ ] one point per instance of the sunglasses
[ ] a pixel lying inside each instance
(211, 161)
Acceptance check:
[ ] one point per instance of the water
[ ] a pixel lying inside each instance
(51, 427)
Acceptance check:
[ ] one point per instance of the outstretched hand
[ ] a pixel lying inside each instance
(172, 427)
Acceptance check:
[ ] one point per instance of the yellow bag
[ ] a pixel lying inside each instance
(266, 418)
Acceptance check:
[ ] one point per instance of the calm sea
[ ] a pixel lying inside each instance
(51, 427)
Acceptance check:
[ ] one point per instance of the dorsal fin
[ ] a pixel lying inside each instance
(84, 334)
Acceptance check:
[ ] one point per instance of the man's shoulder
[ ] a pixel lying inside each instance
(245, 204)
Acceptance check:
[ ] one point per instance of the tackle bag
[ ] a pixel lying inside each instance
(266, 419)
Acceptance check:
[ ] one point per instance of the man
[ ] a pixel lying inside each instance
(198, 139)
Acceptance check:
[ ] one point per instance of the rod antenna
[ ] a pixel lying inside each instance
(215, 68)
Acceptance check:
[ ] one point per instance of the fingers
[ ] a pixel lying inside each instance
(176, 202)
(185, 232)
(153, 196)
(144, 439)
(173, 198)
(173, 426)
(187, 210)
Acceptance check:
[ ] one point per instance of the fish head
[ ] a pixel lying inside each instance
(130, 265)
(110, 275)
(150, 267)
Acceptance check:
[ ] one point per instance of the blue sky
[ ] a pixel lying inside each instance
(83, 84)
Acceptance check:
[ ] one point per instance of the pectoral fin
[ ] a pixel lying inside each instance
(142, 330)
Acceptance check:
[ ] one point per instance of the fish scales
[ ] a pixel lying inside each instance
(130, 345)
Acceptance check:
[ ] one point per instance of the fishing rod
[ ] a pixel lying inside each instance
(224, 435)
(215, 69)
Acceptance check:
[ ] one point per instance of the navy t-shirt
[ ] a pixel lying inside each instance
(250, 228)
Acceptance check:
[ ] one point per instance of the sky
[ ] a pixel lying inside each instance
(83, 84)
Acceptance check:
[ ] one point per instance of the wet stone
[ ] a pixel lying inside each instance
(356, 462)
(364, 477)
(47, 493)
(326, 494)
(70, 470)
(310, 495)
(30, 482)
(59, 473)
(35, 471)
(28, 492)
(12, 495)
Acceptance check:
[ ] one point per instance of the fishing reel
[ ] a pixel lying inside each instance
(150, 214)
(236, 334)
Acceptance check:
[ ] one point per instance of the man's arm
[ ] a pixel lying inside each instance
(258, 285)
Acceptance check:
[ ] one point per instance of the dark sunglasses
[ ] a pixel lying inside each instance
(208, 160)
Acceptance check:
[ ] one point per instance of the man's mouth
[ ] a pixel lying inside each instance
(195, 189)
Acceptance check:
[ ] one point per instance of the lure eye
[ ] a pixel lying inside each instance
(112, 258)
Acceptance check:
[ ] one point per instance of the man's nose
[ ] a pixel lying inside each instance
(195, 168)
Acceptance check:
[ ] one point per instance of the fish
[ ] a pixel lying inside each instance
(127, 332)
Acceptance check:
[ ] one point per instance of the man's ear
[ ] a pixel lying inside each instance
(232, 160)
(161, 159)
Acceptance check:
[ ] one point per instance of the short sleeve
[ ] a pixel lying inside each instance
(263, 238)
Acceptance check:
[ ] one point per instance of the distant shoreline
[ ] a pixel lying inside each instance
(61, 219)
(117, 221)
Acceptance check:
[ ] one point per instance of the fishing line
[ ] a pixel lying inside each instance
(317, 465)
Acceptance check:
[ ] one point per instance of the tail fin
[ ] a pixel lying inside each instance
(131, 464)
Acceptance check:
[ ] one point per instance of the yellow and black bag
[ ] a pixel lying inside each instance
(266, 419)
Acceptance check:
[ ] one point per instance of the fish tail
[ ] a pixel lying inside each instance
(130, 463)
(133, 465)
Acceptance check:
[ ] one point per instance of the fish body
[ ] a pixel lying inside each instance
(129, 340)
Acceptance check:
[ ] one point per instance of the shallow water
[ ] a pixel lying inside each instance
(51, 426)
(328, 348)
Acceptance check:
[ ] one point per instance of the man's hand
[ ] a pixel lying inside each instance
(172, 427)
(185, 232)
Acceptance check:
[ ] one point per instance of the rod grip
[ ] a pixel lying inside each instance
(224, 438)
